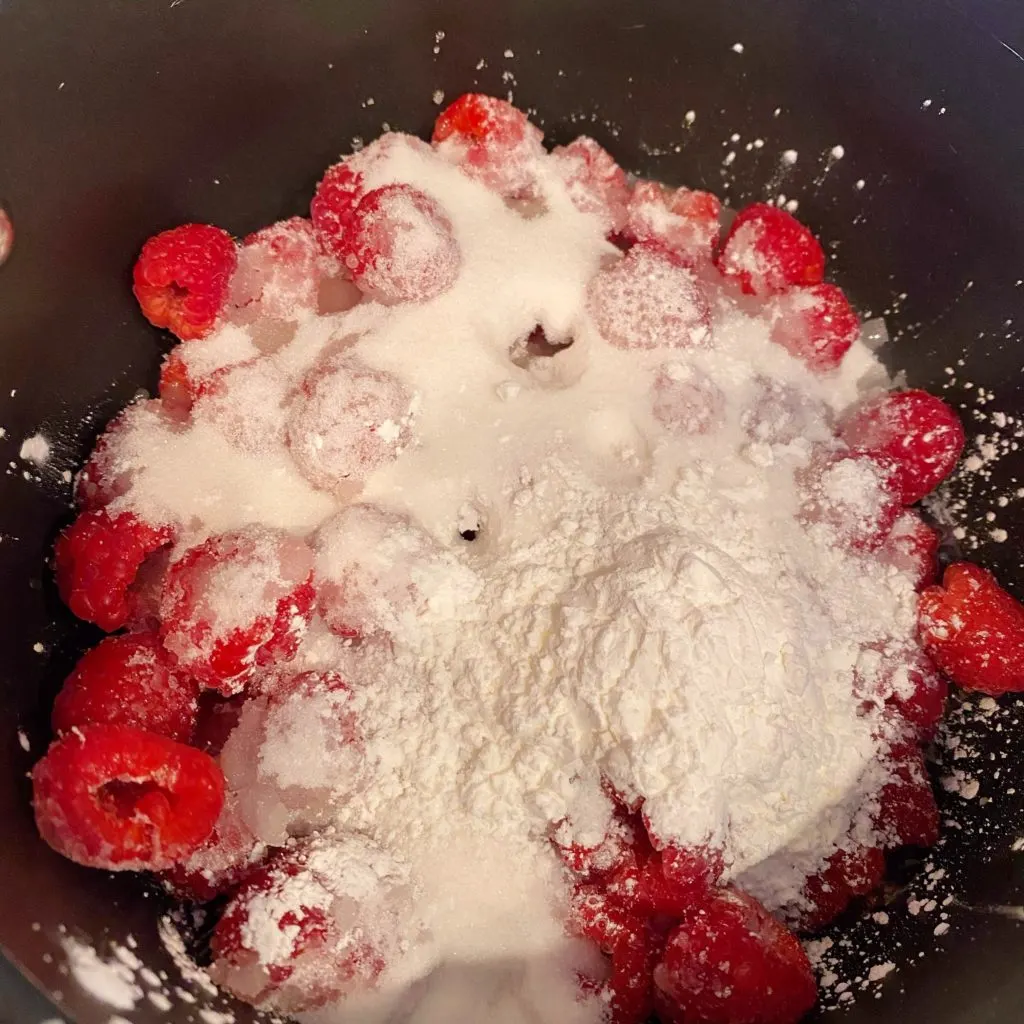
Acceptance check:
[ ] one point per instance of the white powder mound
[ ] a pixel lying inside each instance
(586, 584)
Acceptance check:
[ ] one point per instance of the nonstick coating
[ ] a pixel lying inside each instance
(123, 117)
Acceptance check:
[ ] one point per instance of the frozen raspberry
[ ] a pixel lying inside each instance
(768, 251)
(912, 547)
(731, 962)
(974, 630)
(236, 602)
(318, 923)
(780, 414)
(114, 797)
(854, 496)
(686, 400)
(344, 185)
(814, 324)
(347, 421)
(230, 854)
(650, 299)
(96, 560)
(907, 814)
(128, 680)
(918, 431)
(595, 182)
(684, 221)
(400, 246)
(278, 271)
(847, 874)
(181, 278)
(491, 141)
(246, 404)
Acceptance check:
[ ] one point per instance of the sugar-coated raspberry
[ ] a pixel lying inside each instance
(491, 141)
(846, 875)
(278, 271)
(230, 854)
(780, 414)
(347, 421)
(128, 680)
(115, 797)
(730, 962)
(595, 182)
(246, 404)
(907, 814)
(974, 630)
(853, 495)
(904, 681)
(181, 278)
(400, 246)
(912, 547)
(814, 324)
(686, 400)
(617, 849)
(218, 716)
(918, 431)
(681, 219)
(319, 922)
(650, 299)
(767, 250)
(177, 389)
(236, 602)
(97, 559)
(344, 185)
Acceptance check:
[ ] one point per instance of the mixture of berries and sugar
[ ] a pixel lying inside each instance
(518, 606)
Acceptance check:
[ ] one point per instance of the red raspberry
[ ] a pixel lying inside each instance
(181, 278)
(246, 404)
(686, 400)
(114, 797)
(344, 185)
(176, 388)
(684, 221)
(918, 431)
(229, 855)
(650, 299)
(731, 962)
(491, 141)
(847, 874)
(974, 630)
(907, 814)
(781, 413)
(218, 717)
(128, 680)
(399, 246)
(278, 271)
(853, 495)
(616, 850)
(97, 559)
(768, 251)
(595, 182)
(347, 421)
(814, 324)
(237, 602)
(912, 547)
(907, 683)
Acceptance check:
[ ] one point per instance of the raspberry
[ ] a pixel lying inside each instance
(278, 271)
(280, 943)
(907, 683)
(650, 299)
(399, 246)
(115, 797)
(236, 602)
(218, 716)
(246, 404)
(912, 547)
(491, 141)
(918, 431)
(846, 875)
(686, 400)
(814, 324)
(781, 413)
(731, 962)
(229, 854)
(97, 559)
(343, 186)
(853, 496)
(347, 421)
(616, 850)
(768, 251)
(907, 814)
(181, 278)
(128, 680)
(684, 221)
(595, 182)
(974, 630)
(176, 387)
